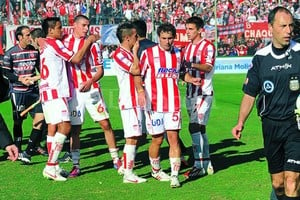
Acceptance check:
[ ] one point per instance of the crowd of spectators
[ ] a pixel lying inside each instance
(226, 12)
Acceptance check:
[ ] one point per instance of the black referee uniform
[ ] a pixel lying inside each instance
(275, 79)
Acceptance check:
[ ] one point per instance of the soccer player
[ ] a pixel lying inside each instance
(160, 70)
(20, 66)
(87, 94)
(145, 43)
(274, 80)
(199, 60)
(126, 66)
(55, 90)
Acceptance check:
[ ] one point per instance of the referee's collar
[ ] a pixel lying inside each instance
(280, 51)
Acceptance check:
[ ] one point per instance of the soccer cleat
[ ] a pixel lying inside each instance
(75, 172)
(51, 173)
(174, 182)
(41, 151)
(132, 178)
(67, 157)
(61, 171)
(194, 173)
(24, 157)
(161, 176)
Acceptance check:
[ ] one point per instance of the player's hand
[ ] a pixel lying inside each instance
(86, 86)
(93, 38)
(237, 131)
(136, 47)
(196, 81)
(25, 80)
(193, 80)
(13, 152)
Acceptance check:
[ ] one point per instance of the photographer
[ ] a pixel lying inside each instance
(6, 141)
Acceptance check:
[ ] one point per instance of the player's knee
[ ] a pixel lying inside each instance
(38, 124)
(194, 128)
(278, 187)
(105, 124)
(291, 185)
(157, 139)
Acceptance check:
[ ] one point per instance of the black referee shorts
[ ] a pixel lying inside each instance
(21, 101)
(281, 145)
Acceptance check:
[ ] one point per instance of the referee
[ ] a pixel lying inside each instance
(274, 79)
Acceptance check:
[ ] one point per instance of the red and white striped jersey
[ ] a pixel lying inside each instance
(160, 70)
(201, 53)
(87, 67)
(123, 60)
(54, 76)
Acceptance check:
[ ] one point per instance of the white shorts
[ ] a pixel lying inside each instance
(159, 122)
(56, 111)
(92, 101)
(199, 109)
(132, 122)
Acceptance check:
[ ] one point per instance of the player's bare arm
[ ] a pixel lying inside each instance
(135, 69)
(140, 90)
(202, 67)
(79, 55)
(245, 109)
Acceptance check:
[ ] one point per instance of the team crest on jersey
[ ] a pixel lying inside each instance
(268, 86)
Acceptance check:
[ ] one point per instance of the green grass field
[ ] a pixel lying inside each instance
(241, 169)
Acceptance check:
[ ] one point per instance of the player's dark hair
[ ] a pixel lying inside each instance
(195, 20)
(141, 27)
(167, 27)
(49, 22)
(37, 33)
(123, 30)
(79, 17)
(271, 16)
(19, 31)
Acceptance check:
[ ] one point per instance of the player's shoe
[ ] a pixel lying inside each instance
(24, 157)
(62, 172)
(51, 173)
(174, 182)
(132, 178)
(194, 173)
(41, 151)
(75, 172)
(67, 157)
(210, 169)
(161, 176)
